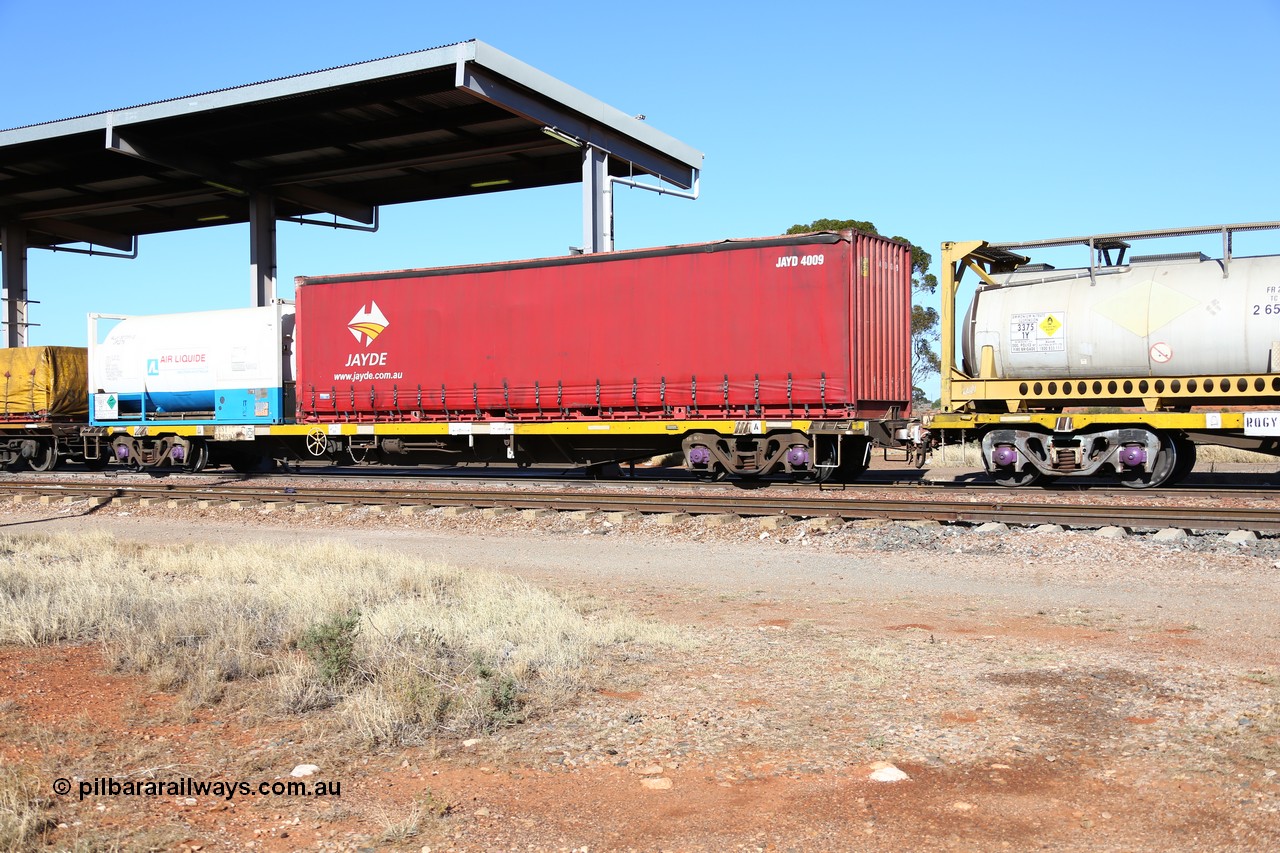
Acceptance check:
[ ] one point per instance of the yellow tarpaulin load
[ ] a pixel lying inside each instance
(46, 382)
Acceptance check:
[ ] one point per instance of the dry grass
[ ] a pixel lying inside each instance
(432, 648)
(1217, 453)
(24, 811)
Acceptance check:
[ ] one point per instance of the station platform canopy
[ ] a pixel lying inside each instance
(451, 121)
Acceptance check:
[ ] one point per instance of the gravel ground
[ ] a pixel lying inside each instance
(1040, 689)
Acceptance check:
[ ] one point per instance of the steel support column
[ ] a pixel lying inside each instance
(262, 249)
(597, 201)
(13, 260)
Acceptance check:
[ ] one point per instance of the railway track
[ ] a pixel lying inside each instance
(1155, 511)
(1260, 486)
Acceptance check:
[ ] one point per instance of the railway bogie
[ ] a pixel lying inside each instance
(810, 457)
(144, 451)
(1140, 457)
(40, 447)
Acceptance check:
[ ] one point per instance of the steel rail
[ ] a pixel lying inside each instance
(1140, 516)
(885, 482)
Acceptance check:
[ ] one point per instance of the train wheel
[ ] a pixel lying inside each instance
(1162, 472)
(854, 463)
(198, 458)
(1000, 467)
(1028, 476)
(46, 458)
(1186, 460)
(713, 474)
(818, 475)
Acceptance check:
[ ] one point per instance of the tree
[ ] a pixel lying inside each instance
(924, 319)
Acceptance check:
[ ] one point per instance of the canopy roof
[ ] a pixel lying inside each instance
(450, 121)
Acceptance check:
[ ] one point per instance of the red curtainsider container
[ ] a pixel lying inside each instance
(813, 325)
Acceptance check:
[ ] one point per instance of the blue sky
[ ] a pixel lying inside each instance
(937, 121)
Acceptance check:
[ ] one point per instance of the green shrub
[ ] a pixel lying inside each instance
(504, 704)
(331, 645)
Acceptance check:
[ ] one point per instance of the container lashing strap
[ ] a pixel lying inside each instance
(597, 396)
(560, 398)
(537, 397)
(662, 397)
(790, 408)
(635, 398)
(726, 394)
(443, 404)
(475, 398)
(757, 393)
(693, 392)
(823, 389)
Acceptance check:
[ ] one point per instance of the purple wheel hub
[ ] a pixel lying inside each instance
(1004, 455)
(1133, 455)
(122, 452)
(177, 453)
(699, 456)
(798, 456)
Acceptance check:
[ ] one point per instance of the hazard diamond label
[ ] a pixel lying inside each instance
(1039, 332)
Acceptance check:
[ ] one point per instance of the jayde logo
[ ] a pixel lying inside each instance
(367, 324)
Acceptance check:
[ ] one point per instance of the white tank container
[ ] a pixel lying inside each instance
(186, 362)
(1161, 318)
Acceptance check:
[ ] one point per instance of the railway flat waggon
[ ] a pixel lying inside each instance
(168, 389)
(42, 406)
(1119, 367)
(771, 356)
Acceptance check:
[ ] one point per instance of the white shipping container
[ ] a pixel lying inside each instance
(188, 362)
(1163, 318)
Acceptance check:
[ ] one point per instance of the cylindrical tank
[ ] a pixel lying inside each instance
(1170, 317)
(183, 362)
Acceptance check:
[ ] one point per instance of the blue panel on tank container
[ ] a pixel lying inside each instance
(249, 405)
